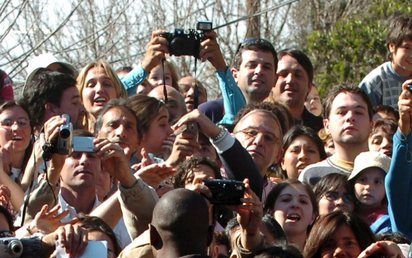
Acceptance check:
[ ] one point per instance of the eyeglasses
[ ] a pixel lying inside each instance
(253, 133)
(334, 196)
(21, 122)
(261, 43)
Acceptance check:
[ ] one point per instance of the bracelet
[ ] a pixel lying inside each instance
(222, 133)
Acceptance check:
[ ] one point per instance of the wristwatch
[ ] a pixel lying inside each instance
(222, 133)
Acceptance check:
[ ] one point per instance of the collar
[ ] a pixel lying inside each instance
(72, 210)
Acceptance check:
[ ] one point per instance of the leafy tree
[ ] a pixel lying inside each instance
(349, 49)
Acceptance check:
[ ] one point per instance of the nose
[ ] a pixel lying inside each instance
(84, 160)
(258, 69)
(190, 92)
(99, 86)
(340, 201)
(339, 252)
(386, 144)
(302, 154)
(350, 116)
(289, 78)
(259, 139)
(120, 130)
(14, 126)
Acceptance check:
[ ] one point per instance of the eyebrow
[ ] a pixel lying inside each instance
(352, 107)
(160, 118)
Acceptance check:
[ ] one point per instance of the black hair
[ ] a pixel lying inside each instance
(113, 103)
(274, 228)
(279, 251)
(185, 170)
(256, 44)
(300, 130)
(302, 59)
(45, 87)
(346, 88)
(93, 223)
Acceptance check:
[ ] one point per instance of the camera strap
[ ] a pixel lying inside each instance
(164, 80)
(195, 89)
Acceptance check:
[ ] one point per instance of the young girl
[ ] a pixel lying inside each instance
(367, 180)
(294, 207)
(333, 192)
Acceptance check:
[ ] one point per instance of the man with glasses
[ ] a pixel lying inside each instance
(384, 84)
(254, 146)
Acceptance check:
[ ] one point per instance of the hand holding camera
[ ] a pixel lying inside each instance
(185, 144)
(114, 161)
(156, 51)
(405, 108)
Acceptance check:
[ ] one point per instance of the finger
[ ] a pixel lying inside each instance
(61, 237)
(61, 215)
(77, 241)
(54, 210)
(69, 237)
(44, 209)
(83, 242)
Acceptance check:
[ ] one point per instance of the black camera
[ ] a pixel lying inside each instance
(64, 139)
(187, 43)
(227, 192)
(10, 247)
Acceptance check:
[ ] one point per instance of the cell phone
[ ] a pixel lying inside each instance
(93, 249)
(83, 144)
(226, 192)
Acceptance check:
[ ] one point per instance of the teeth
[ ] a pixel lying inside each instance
(100, 100)
(17, 138)
(293, 217)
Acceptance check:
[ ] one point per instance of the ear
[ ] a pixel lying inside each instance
(392, 48)
(234, 72)
(279, 158)
(326, 125)
(282, 162)
(51, 110)
(155, 239)
(309, 89)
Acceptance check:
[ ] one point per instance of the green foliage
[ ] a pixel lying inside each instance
(349, 49)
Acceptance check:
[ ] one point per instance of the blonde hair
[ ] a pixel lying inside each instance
(108, 70)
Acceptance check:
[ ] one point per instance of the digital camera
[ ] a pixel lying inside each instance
(227, 192)
(64, 139)
(187, 42)
(10, 247)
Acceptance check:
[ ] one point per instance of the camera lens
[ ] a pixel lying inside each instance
(64, 133)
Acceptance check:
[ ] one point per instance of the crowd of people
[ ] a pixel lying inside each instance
(317, 177)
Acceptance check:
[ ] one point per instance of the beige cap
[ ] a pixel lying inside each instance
(370, 159)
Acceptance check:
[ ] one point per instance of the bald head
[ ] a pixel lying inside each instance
(175, 101)
(181, 217)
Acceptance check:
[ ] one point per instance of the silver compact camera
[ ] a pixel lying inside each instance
(10, 247)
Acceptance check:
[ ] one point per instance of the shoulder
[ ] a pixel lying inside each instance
(376, 75)
(313, 173)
